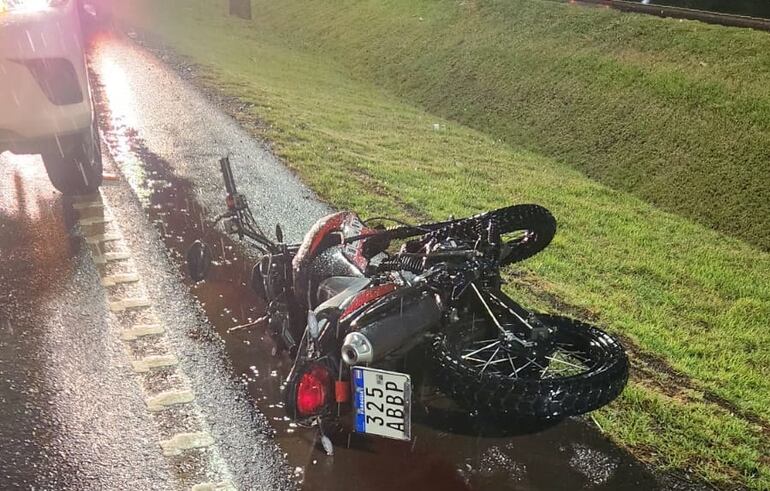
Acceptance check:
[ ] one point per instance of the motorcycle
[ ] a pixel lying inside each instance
(353, 299)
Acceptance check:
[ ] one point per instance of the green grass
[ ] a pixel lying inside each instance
(676, 112)
(696, 298)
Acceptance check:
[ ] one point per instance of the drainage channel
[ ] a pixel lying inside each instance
(450, 450)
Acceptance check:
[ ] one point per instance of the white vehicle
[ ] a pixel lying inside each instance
(45, 99)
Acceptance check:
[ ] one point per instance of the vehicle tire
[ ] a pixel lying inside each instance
(76, 166)
(532, 395)
(537, 224)
(522, 230)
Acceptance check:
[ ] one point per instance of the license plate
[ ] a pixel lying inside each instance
(383, 403)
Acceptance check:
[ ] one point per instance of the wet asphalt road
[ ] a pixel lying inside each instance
(69, 414)
(73, 414)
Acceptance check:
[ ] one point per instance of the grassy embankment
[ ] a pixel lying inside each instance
(693, 303)
(677, 113)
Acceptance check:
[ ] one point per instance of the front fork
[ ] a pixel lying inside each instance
(519, 329)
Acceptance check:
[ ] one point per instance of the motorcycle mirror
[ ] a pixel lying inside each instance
(198, 260)
(278, 233)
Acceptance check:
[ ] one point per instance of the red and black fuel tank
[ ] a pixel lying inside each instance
(324, 253)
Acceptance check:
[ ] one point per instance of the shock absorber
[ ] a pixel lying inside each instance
(411, 263)
(493, 236)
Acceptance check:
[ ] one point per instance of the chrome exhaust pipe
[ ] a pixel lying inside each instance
(357, 349)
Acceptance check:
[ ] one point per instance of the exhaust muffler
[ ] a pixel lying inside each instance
(401, 327)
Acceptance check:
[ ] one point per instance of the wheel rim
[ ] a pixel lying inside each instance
(571, 355)
(554, 389)
(563, 361)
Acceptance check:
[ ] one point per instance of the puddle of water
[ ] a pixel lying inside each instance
(448, 451)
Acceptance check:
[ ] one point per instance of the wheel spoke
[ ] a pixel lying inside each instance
(515, 374)
(483, 352)
(501, 360)
(481, 349)
(489, 362)
(562, 363)
(492, 340)
(550, 358)
(579, 355)
(476, 360)
(490, 359)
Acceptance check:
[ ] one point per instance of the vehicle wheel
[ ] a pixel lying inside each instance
(524, 231)
(76, 168)
(583, 370)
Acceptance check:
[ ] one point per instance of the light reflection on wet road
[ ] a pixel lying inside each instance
(166, 143)
(69, 416)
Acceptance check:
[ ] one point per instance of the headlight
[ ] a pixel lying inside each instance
(28, 5)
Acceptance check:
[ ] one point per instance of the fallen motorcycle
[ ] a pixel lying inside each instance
(347, 310)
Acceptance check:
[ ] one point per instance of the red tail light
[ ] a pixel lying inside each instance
(314, 391)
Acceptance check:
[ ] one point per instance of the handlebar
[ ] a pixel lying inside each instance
(227, 174)
(239, 213)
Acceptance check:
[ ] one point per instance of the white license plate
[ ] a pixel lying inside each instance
(383, 403)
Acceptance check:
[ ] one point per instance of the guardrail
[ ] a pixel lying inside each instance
(241, 8)
(683, 13)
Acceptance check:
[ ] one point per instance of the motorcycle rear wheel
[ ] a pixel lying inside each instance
(586, 370)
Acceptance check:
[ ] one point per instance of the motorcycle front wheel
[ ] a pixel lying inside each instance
(585, 369)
